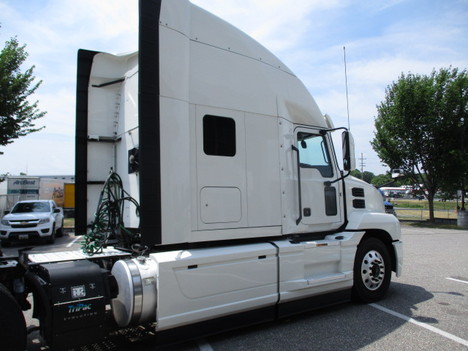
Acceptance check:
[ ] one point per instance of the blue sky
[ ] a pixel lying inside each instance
(382, 39)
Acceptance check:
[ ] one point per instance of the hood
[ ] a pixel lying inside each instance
(26, 216)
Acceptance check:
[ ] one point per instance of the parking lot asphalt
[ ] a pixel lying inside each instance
(425, 309)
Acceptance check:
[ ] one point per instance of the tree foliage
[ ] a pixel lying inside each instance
(384, 180)
(17, 113)
(420, 128)
(365, 176)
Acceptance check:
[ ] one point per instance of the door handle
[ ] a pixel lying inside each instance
(298, 220)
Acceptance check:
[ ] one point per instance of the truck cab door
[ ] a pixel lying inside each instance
(319, 200)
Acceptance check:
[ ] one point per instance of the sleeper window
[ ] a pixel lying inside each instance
(219, 136)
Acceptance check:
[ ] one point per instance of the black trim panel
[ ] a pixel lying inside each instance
(244, 319)
(148, 120)
(331, 208)
(313, 303)
(85, 63)
(215, 326)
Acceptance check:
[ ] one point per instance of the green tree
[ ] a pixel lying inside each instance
(368, 176)
(365, 176)
(383, 180)
(356, 173)
(17, 113)
(416, 127)
(456, 163)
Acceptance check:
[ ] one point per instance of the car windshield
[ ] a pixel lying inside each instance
(25, 207)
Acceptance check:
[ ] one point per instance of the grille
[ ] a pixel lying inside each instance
(358, 203)
(23, 225)
(358, 192)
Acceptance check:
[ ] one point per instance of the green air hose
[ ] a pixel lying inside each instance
(108, 221)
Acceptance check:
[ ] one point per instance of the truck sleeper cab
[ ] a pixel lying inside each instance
(243, 209)
(236, 171)
(242, 175)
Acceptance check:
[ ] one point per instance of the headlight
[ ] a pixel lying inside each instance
(44, 220)
(5, 222)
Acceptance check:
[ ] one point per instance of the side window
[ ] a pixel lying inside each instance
(219, 136)
(313, 153)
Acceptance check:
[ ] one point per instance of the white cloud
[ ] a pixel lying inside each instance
(278, 25)
(61, 119)
(39, 154)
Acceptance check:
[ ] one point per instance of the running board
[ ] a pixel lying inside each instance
(321, 280)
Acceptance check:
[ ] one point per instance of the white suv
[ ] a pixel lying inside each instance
(33, 219)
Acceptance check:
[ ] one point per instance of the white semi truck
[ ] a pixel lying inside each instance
(225, 206)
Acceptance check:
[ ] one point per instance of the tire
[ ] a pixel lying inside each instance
(13, 331)
(372, 271)
(51, 238)
(59, 231)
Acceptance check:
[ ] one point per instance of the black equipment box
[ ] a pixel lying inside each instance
(76, 295)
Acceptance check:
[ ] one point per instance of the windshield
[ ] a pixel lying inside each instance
(25, 207)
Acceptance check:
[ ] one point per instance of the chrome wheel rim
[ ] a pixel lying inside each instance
(372, 270)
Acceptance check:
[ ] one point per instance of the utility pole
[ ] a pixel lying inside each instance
(361, 163)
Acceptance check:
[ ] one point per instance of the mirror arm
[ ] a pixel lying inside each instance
(328, 183)
(325, 131)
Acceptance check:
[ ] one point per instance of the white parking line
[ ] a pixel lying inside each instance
(204, 346)
(424, 325)
(458, 280)
(74, 240)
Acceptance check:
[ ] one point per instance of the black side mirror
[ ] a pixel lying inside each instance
(349, 159)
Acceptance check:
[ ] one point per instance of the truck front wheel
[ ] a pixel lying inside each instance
(372, 271)
(12, 324)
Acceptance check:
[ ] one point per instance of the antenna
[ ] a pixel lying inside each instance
(346, 84)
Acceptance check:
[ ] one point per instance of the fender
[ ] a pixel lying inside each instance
(374, 220)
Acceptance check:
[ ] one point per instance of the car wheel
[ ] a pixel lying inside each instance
(372, 271)
(12, 324)
(59, 231)
(51, 238)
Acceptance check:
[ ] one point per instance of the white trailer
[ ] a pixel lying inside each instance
(243, 211)
(18, 188)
